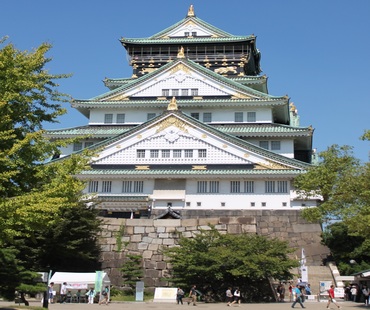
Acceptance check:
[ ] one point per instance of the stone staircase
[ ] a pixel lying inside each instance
(317, 274)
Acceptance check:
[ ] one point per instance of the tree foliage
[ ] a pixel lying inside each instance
(132, 270)
(215, 261)
(343, 183)
(44, 222)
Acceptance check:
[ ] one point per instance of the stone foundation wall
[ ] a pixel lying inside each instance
(147, 236)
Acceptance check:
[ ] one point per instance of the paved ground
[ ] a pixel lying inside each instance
(169, 306)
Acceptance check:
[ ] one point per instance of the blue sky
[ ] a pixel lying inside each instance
(317, 52)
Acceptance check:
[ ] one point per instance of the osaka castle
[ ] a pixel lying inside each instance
(193, 130)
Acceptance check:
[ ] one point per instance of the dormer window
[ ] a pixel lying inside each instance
(194, 34)
(187, 34)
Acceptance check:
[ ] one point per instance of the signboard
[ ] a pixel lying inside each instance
(165, 294)
(325, 286)
(339, 292)
(304, 274)
(139, 291)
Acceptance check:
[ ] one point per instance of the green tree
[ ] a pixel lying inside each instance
(132, 270)
(215, 261)
(37, 200)
(343, 183)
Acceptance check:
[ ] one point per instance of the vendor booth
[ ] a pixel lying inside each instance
(80, 281)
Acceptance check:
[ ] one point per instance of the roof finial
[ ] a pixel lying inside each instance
(191, 11)
(181, 54)
(172, 106)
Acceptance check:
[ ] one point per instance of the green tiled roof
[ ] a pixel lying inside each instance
(185, 40)
(250, 130)
(185, 172)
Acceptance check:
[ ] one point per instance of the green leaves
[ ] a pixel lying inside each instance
(214, 260)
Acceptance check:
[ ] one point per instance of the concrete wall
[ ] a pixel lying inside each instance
(147, 236)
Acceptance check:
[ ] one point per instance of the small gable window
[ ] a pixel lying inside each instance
(140, 153)
(275, 145)
(195, 115)
(175, 92)
(251, 117)
(238, 116)
(77, 146)
(120, 118)
(207, 117)
(194, 91)
(264, 144)
(166, 92)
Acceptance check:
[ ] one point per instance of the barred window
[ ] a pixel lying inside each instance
(188, 153)
(154, 153)
(93, 186)
(165, 153)
(140, 153)
(238, 116)
(202, 153)
(106, 186)
(138, 186)
(282, 186)
(249, 186)
(177, 153)
(235, 186)
(207, 117)
(166, 92)
(251, 117)
(194, 91)
(270, 186)
(120, 118)
(184, 92)
(88, 144)
(275, 145)
(214, 186)
(126, 186)
(202, 186)
(264, 144)
(108, 118)
(175, 92)
(77, 146)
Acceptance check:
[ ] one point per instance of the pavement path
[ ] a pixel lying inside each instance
(169, 306)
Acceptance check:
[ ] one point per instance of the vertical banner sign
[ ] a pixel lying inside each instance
(98, 280)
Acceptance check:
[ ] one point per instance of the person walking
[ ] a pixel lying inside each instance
(105, 294)
(193, 295)
(298, 296)
(91, 295)
(331, 297)
(63, 293)
(229, 296)
(179, 296)
(236, 297)
(365, 292)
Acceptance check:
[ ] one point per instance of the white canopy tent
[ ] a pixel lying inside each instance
(82, 280)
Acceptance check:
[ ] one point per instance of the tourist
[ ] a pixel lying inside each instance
(193, 295)
(229, 296)
(63, 293)
(365, 292)
(236, 297)
(331, 297)
(179, 296)
(298, 296)
(105, 294)
(51, 293)
(91, 295)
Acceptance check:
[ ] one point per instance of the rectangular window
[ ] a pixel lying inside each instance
(93, 186)
(253, 204)
(251, 117)
(176, 153)
(77, 146)
(282, 186)
(263, 204)
(202, 186)
(166, 92)
(269, 187)
(126, 186)
(166, 153)
(138, 186)
(194, 33)
(235, 186)
(275, 145)
(186, 33)
(140, 153)
(214, 186)
(195, 115)
(88, 144)
(188, 153)
(150, 116)
(184, 92)
(264, 144)
(154, 153)
(106, 187)
(108, 118)
(207, 117)
(194, 91)
(249, 186)
(238, 116)
(175, 92)
(202, 153)
(120, 118)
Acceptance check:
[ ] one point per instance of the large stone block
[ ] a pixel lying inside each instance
(167, 223)
(189, 222)
(142, 246)
(139, 229)
(208, 221)
(147, 254)
(139, 222)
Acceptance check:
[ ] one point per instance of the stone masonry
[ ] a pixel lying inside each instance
(147, 236)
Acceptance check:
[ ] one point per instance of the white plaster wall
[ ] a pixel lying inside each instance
(286, 146)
